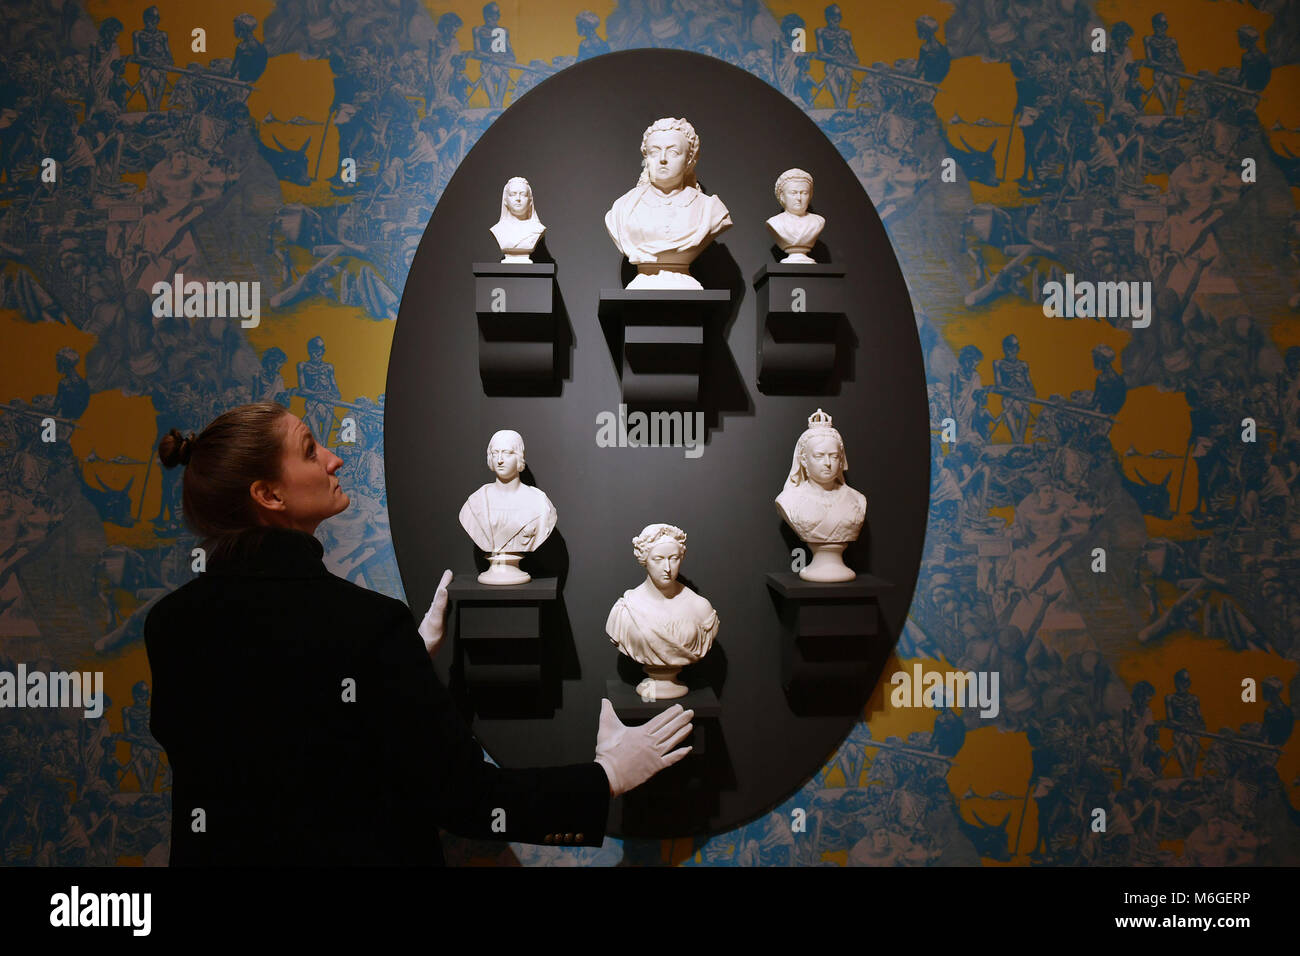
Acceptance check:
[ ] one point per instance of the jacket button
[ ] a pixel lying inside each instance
(548, 838)
(578, 839)
(568, 838)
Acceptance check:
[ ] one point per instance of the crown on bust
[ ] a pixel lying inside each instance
(819, 419)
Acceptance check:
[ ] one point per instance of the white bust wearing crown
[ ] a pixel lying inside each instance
(505, 517)
(815, 501)
(665, 221)
(796, 229)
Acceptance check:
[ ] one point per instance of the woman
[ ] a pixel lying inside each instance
(300, 713)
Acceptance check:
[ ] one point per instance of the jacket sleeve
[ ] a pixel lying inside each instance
(438, 763)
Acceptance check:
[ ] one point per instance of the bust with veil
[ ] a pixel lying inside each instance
(518, 229)
(816, 502)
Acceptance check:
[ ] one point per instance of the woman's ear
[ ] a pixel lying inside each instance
(266, 495)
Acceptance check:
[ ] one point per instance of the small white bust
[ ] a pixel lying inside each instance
(518, 229)
(795, 230)
(664, 222)
(505, 517)
(824, 512)
(662, 623)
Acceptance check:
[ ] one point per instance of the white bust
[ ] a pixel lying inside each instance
(663, 222)
(824, 511)
(795, 230)
(505, 517)
(662, 623)
(518, 229)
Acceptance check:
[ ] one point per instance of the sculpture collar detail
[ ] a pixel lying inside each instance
(652, 197)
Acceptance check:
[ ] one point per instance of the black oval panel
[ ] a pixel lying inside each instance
(576, 138)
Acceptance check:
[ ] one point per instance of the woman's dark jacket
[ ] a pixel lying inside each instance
(302, 716)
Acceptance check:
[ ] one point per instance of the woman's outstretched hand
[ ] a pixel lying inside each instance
(632, 755)
(434, 624)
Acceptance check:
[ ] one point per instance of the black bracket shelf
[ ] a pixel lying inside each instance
(802, 315)
(518, 332)
(657, 336)
(499, 630)
(827, 628)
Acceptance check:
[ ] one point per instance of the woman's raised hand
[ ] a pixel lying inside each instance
(434, 624)
(632, 755)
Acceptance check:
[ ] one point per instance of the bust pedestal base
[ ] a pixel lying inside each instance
(504, 571)
(661, 684)
(827, 565)
(656, 276)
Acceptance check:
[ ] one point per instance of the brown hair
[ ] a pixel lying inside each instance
(238, 448)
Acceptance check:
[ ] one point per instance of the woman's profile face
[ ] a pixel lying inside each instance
(308, 486)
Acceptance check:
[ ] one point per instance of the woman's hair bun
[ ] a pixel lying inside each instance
(175, 449)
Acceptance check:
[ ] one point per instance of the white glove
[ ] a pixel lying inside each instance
(632, 755)
(434, 624)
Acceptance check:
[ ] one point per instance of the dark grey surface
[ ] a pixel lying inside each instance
(822, 285)
(465, 587)
(576, 137)
(527, 287)
(788, 584)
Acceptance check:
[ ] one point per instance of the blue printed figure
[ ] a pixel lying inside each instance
(316, 384)
(835, 44)
(494, 72)
(591, 43)
(149, 48)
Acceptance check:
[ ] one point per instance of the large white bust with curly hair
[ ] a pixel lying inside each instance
(662, 623)
(664, 221)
